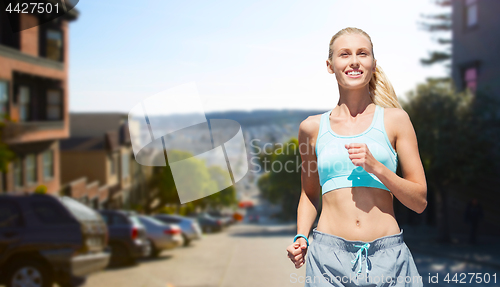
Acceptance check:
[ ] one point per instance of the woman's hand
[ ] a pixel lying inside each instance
(297, 252)
(360, 155)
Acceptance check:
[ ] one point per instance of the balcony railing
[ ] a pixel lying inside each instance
(12, 53)
(13, 130)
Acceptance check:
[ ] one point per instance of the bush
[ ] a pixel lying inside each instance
(41, 189)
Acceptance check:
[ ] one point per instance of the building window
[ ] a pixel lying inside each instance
(54, 45)
(31, 168)
(125, 166)
(471, 12)
(18, 172)
(48, 164)
(7, 37)
(4, 99)
(470, 79)
(24, 103)
(54, 104)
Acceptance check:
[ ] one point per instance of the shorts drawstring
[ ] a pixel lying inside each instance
(360, 254)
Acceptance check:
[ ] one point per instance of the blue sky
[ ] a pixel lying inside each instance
(241, 55)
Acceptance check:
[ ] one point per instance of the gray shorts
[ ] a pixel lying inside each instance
(335, 261)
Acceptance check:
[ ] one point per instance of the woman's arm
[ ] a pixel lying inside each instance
(307, 209)
(411, 190)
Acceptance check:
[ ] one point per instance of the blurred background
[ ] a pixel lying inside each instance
(76, 209)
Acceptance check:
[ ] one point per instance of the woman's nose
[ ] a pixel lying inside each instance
(354, 61)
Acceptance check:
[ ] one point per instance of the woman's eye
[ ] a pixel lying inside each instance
(343, 54)
(363, 53)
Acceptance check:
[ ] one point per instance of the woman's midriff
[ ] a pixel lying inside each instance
(358, 213)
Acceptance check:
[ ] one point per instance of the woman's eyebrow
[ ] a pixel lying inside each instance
(348, 50)
(362, 48)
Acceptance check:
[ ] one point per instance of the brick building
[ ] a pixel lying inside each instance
(34, 93)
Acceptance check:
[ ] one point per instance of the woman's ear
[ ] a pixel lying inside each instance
(329, 67)
(374, 65)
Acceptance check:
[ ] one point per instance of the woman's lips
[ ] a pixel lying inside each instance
(354, 76)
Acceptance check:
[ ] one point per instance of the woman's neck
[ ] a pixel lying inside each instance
(354, 101)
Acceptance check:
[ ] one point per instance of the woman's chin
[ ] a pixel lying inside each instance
(353, 86)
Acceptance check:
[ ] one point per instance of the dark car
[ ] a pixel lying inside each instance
(127, 237)
(208, 223)
(46, 239)
(225, 219)
(190, 228)
(252, 215)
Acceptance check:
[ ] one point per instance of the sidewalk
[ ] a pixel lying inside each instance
(423, 240)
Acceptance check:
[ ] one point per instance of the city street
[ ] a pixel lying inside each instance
(242, 255)
(253, 255)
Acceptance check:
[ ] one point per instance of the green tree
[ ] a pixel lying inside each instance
(438, 24)
(265, 156)
(449, 127)
(206, 180)
(6, 155)
(161, 187)
(282, 184)
(41, 189)
(225, 197)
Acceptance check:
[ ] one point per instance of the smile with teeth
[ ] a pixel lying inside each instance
(354, 73)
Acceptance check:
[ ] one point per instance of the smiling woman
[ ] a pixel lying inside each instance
(352, 154)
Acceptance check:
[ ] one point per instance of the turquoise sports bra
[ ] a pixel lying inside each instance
(336, 170)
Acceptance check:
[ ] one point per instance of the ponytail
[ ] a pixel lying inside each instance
(381, 90)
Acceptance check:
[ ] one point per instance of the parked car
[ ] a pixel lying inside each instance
(225, 219)
(190, 228)
(253, 217)
(161, 235)
(127, 237)
(46, 239)
(208, 223)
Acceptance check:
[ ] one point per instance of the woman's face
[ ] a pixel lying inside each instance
(352, 53)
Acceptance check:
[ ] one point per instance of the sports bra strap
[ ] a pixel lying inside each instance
(323, 127)
(379, 120)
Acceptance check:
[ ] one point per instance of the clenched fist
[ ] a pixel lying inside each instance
(360, 155)
(297, 252)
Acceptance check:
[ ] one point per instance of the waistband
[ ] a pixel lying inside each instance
(353, 246)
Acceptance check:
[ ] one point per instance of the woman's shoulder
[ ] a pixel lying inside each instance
(308, 131)
(395, 113)
(396, 117)
(310, 126)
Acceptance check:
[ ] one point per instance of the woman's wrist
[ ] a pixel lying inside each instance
(301, 235)
(379, 169)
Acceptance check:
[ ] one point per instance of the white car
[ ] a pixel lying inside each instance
(191, 230)
(161, 236)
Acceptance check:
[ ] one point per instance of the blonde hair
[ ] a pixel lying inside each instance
(381, 90)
